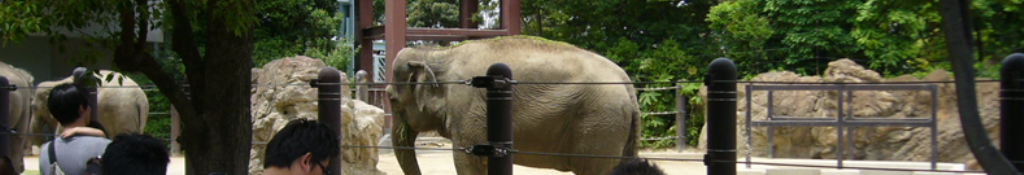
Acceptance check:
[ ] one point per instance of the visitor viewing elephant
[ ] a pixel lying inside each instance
(122, 106)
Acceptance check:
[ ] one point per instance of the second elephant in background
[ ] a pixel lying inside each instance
(122, 106)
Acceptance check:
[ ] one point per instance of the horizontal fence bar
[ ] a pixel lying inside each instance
(841, 87)
(653, 89)
(660, 113)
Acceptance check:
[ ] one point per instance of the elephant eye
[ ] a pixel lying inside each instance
(392, 96)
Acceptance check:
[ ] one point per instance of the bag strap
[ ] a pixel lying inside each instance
(53, 153)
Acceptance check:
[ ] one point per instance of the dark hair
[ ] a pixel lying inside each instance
(637, 167)
(6, 167)
(135, 154)
(299, 137)
(64, 101)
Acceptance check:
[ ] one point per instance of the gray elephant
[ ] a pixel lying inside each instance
(20, 113)
(121, 105)
(551, 118)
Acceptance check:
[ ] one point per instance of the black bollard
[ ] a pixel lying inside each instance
(329, 95)
(5, 111)
(499, 119)
(80, 77)
(721, 152)
(1011, 98)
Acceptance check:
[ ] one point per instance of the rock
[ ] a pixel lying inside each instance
(273, 106)
(869, 143)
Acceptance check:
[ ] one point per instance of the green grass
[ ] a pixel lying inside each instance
(30, 172)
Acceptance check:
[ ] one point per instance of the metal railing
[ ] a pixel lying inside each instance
(844, 119)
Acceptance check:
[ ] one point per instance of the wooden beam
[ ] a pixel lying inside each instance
(364, 59)
(510, 16)
(467, 9)
(456, 32)
(375, 32)
(438, 38)
(394, 35)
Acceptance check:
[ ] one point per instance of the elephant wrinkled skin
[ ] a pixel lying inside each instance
(550, 118)
(122, 106)
(20, 113)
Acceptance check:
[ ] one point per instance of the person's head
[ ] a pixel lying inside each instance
(304, 144)
(6, 166)
(637, 167)
(135, 154)
(68, 103)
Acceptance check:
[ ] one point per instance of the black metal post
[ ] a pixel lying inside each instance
(80, 77)
(5, 111)
(329, 96)
(499, 119)
(680, 118)
(1011, 98)
(956, 27)
(721, 81)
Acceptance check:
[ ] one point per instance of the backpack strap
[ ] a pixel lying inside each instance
(53, 153)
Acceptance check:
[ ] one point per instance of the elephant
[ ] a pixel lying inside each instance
(20, 114)
(551, 118)
(122, 106)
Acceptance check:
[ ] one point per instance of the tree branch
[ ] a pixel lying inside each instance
(124, 54)
(167, 85)
(143, 5)
(184, 43)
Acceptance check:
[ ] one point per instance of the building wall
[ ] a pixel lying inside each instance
(46, 62)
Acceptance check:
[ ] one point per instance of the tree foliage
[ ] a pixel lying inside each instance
(213, 38)
(300, 27)
(663, 40)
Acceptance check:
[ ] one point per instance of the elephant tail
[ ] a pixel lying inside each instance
(142, 110)
(632, 144)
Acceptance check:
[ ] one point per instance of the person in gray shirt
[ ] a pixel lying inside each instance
(69, 106)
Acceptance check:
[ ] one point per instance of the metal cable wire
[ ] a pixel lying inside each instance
(653, 89)
(605, 157)
(402, 147)
(151, 87)
(840, 83)
(660, 113)
(660, 138)
(604, 83)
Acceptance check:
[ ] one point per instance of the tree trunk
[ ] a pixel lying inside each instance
(217, 128)
(219, 138)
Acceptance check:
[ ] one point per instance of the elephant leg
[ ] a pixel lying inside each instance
(610, 142)
(18, 145)
(468, 164)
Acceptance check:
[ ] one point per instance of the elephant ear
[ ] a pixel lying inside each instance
(429, 97)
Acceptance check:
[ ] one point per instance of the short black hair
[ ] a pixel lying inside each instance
(6, 167)
(64, 101)
(299, 137)
(135, 154)
(637, 167)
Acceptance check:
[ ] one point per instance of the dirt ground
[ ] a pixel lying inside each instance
(434, 162)
(440, 162)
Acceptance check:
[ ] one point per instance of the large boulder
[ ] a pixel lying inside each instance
(273, 105)
(870, 143)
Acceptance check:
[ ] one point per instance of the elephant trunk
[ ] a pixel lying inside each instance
(404, 137)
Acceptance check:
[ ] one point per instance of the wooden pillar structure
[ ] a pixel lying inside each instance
(395, 32)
